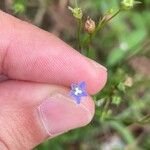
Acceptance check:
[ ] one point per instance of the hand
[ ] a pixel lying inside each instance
(34, 101)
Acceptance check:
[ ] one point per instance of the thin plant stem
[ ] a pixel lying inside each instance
(76, 3)
(124, 132)
(145, 119)
(89, 44)
(100, 26)
(114, 15)
(105, 109)
(79, 34)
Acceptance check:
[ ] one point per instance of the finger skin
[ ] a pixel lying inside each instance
(21, 126)
(31, 54)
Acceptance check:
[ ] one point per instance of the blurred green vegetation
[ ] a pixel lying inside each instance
(123, 46)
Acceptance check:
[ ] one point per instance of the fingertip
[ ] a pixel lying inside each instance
(98, 77)
(99, 82)
(42, 57)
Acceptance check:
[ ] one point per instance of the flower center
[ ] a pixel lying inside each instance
(77, 91)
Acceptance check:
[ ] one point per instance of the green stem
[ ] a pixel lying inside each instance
(78, 34)
(76, 4)
(114, 15)
(89, 44)
(102, 23)
(146, 119)
(105, 109)
(124, 132)
(100, 26)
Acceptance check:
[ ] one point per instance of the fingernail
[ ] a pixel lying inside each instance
(97, 65)
(59, 113)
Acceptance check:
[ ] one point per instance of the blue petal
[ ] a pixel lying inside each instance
(72, 94)
(82, 85)
(78, 99)
(84, 93)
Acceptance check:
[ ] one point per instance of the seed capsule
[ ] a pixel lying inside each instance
(90, 26)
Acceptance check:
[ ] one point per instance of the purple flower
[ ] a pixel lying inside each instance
(78, 91)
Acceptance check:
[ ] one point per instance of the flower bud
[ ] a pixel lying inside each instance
(128, 4)
(77, 12)
(89, 26)
(106, 18)
(128, 82)
(19, 7)
(108, 15)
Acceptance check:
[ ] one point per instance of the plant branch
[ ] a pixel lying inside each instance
(103, 23)
(40, 12)
(79, 21)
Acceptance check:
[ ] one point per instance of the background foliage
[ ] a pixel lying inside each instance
(122, 118)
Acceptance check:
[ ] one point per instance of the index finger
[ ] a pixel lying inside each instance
(31, 54)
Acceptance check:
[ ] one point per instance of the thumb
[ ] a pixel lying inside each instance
(31, 112)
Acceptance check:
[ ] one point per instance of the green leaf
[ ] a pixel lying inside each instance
(77, 12)
(128, 44)
(115, 56)
(128, 4)
(121, 87)
(19, 6)
(116, 100)
(124, 132)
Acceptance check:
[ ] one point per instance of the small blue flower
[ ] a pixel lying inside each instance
(78, 91)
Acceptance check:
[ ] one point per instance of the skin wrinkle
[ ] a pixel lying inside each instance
(4, 60)
(30, 42)
(17, 123)
(44, 63)
(3, 144)
(15, 134)
(21, 114)
(13, 142)
(3, 78)
(20, 120)
(7, 46)
(4, 134)
(32, 54)
(16, 140)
